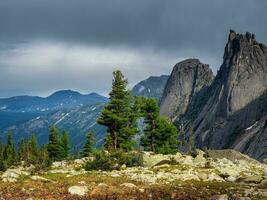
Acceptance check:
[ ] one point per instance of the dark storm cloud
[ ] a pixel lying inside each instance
(164, 30)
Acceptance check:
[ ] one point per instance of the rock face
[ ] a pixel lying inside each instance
(152, 87)
(187, 80)
(235, 110)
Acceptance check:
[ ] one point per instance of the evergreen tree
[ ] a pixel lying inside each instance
(9, 154)
(33, 146)
(115, 116)
(160, 135)
(65, 144)
(166, 136)
(2, 147)
(151, 113)
(88, 147)
(3, 164)
(54, 147)
(22, 150)
(76, 153)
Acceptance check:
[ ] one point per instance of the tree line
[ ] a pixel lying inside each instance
(28, 152)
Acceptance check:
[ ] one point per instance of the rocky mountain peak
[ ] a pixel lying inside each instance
(187, 79)
(236, 99)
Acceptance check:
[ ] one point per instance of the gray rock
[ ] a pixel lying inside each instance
(187, 79)
(78, 190)
(232, 111)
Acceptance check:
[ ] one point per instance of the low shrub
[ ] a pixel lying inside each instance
(114, 160)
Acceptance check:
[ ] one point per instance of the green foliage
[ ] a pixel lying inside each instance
(114, 160)
(160, 134)
(9, 153)
(117, 115)
(65, 145)
(54, 147)
(88, 147)
(166, 136)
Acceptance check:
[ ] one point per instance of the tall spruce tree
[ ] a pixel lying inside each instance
(166, 136)
(54, 147)
(115, 116)
(33, 149)
(88, 146)
(22, 156)
(9, 153)
(65, 144)
(160, 135)
(151, 113)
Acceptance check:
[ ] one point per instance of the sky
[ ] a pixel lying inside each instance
(49, 45)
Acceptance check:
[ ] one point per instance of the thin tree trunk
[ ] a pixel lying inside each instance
(153, 136)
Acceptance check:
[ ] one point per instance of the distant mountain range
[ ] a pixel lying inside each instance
(68, 110)
(152, 87)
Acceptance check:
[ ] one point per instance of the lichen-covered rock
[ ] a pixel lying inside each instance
(11, 175)
(78, 190)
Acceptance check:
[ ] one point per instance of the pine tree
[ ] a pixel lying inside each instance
(76, 153)
(65, 144)
(54, 147)
(3, 164)
(33, 149)
(115, 116)
(160, 135)
(22, 150)
(151, 113)
(88, 147)
(166, 136)
(9, 154)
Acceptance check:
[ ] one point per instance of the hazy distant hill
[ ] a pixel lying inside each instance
(151, 87)
(69, 110)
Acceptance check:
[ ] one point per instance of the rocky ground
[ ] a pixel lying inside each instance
(221, 175)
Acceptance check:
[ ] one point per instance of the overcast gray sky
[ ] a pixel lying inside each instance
(47, 45)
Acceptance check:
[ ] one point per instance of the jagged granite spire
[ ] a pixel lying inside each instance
(236, 98)
(186, 80)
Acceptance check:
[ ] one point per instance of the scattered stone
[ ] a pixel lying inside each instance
(11, 175)
(103, 185)
(220, 197)
(78, 190)
(123, 167)
(231, 179)
(142, 190)
(250, 179)
(203, 176)
(39, 178)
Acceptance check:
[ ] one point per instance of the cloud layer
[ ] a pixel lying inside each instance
(50, 45)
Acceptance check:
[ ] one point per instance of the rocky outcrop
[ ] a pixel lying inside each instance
(235, 112)
(187, 80)
(152, 87)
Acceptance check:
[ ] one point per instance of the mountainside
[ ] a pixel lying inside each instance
(68, 110)
(238, 100)
(235, 110)
(186, 81)
(152, 87)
